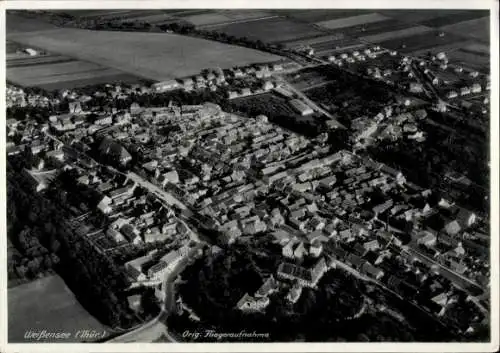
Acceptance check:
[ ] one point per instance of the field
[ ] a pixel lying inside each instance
(422, 41)
(20, 24)
(402, 33)
(224, 16)
(454, 18)
(470, 59)
(46, 304)
(418, 16)
(155, 56)
(374, 28)
(271, 30)
(478, 28)
(318, 15)
(334, 46)
(352, 21)
(60, 72)
(312, 41)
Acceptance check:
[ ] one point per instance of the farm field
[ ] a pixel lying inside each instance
(374, 28)
(59, 72)
(20, 24)
(422, 41)
(26, 61)
(417, 16)
(352, 21)
(470, 60)
(47, 304)
(154, 56)
(330, 47)
(402, 33)
(454, 18)
(225, 16)
(313, 41)
(478, 28)
(318, 15)
(271, 30)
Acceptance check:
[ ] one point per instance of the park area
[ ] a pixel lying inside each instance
(154, 56)
(47, 304)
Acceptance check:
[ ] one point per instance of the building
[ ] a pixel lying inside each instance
(308, 277)
(250, 304)
(165, 86)
(301, 107)
(134, 302)
(294, 293)
(269, 286)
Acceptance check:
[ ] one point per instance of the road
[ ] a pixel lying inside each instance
(160, 193)
(157, 327)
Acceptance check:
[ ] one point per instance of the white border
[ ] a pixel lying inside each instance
(276, 347)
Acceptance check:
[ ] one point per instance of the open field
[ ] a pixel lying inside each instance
(271, 30)
(478, 28)
(417, 16)
(352, 21)
(318, 15)
(155, 56)
(20, 24)
(334, 46)
(471, 60)
(26, 61)
(422, 41)
(454, 18)
(61, 72)
(479, 48)
(47, 304)
(402, 33)
(374, 28)
(225, 16)
(312, 41)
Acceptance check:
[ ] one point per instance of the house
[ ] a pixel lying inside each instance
(134, 302)
(250, 304)
(269, 286)
(300, 251)
(427, 238)
(158, 271)
(134, 268)
(316, 248)
(453, 228)
(281, 237)
(371, 245)
(304, 276)
(465, 218)
(294, 293)
(372, 271)
(105, 205)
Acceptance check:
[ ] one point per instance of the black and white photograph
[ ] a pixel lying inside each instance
(250, 175)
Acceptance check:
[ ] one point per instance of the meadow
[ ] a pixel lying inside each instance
(47, 304)
(155, 56)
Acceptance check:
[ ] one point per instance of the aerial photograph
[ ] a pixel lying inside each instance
(248, 175)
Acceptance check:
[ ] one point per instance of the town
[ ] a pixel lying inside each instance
(153, 179)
